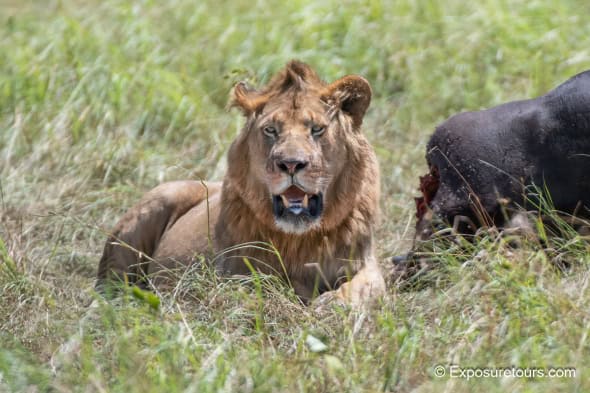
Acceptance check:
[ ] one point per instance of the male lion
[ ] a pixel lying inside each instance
(301, 176)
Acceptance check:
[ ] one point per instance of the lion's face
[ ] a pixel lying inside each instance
(297, 145)
(295, 154)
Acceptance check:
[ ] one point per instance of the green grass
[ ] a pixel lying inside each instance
(102, 100)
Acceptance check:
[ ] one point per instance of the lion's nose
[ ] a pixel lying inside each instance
(291, 166)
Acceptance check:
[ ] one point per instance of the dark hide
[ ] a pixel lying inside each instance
(484, 164)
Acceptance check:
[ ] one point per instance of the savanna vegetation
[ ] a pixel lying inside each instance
(102, 100)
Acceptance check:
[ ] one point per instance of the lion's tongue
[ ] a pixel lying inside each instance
(294, 193)
(295, 199)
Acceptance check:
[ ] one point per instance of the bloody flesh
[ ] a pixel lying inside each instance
(428, 186)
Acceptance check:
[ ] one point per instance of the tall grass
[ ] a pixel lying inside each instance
(101, 100)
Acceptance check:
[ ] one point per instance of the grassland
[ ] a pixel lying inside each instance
(102, 100)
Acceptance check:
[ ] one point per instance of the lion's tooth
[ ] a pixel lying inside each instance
(285, 201)
(305, 201)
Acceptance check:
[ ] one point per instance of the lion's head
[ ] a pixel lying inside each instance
(295, 161)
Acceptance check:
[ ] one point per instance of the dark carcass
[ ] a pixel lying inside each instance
(484, 165)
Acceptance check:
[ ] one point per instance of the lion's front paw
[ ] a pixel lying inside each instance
(361, 290)
(326, 300)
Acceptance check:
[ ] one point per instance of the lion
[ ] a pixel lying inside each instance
(301, 178)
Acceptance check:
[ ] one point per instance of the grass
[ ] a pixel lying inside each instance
(102, 100)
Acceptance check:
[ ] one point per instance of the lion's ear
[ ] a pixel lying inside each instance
(352, 94)
(247, 99)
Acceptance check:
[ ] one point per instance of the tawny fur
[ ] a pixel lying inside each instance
(169, 226)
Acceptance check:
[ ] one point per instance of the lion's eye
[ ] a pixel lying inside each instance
(270, 131)
(317, 130)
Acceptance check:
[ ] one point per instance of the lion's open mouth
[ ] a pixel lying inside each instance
(295, 202)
